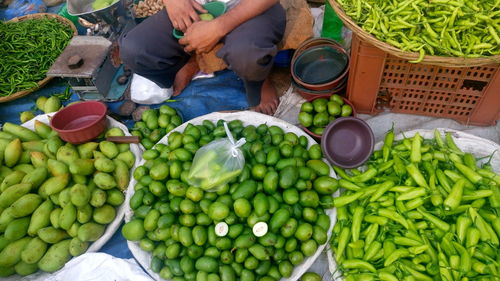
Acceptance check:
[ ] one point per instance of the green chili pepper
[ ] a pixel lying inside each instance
(395, 255)
(468, 172)
(455, 196)
(416, 175)
(434, 220)
(463, 223)
(357, 218)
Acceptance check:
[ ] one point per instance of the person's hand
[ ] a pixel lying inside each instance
(182, 13)
(202, 36)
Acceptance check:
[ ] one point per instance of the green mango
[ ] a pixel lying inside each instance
(14, 177)
(33, 145)
(13, 193)
(73, 229)
(77, 247)
(53, 185)
(90, 232)
(51, 234)
(34, 251)
(25, 269)
(17, 229)
(104, 164)
(56, 167)
(11, 254)
(128, 157)
(104, 180)
(83, 167)
(109, 149)
(67, 216)
(12, 153)
(52, 104)
(114, 132)
(38, 159)
(121, 174)
(86, 149)
(55, 258)
(26, 205)
(40, 217)
(36, 177)
(54, 217)
(80, 195)
(67, 154)
(26, 168)
(43, 130)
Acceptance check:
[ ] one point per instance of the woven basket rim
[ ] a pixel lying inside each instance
(428, 59)
(46, 80)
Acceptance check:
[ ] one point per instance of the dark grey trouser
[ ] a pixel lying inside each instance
(150, 50)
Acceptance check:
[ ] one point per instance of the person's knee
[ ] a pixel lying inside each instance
(130, 50)
(250, 61)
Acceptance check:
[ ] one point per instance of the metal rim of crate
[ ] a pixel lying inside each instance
(433, 60)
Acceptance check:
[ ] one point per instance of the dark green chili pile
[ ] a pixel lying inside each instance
(455, 28)
(27, 50)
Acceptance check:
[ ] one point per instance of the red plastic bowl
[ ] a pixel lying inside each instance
(347, 142)
(80, 122)
(316, 136)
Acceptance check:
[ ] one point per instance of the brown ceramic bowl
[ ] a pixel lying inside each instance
(320, 64)
(347, 142)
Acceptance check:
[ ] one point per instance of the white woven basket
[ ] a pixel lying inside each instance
(466, 142)
(248, 118)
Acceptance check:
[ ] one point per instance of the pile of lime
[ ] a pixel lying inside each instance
(261, 225)
(317, 114)
(156, 123)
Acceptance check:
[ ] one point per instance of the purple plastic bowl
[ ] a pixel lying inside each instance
(347, 142)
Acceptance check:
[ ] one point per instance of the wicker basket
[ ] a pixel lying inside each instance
(431, 60)
(46, 79)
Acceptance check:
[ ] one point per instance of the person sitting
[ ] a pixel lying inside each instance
(249, 32)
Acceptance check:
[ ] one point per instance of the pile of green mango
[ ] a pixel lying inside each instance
(154, 124)
(55, 197)
(101, 4)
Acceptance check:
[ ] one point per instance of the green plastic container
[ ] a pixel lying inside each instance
(64, 13)
(215, 8)
(332, 24)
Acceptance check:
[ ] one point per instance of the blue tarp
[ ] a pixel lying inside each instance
(223, 92)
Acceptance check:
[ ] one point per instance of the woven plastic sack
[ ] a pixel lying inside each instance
(217, 163)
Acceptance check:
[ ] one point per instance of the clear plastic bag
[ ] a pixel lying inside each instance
(217, 163)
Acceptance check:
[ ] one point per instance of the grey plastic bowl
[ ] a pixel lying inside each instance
(347, 142)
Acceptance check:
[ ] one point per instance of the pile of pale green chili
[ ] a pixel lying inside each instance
(455, 28)
(422, 210)
(27, 50)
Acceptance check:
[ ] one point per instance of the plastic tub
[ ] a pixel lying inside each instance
(80, 122)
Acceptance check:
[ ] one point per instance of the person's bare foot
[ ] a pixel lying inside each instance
(268, 99)
(185, 75)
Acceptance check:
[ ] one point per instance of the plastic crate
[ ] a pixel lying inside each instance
(377, 80)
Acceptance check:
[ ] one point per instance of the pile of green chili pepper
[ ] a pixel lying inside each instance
(422, 210)
(455, 28)
(27, 50)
